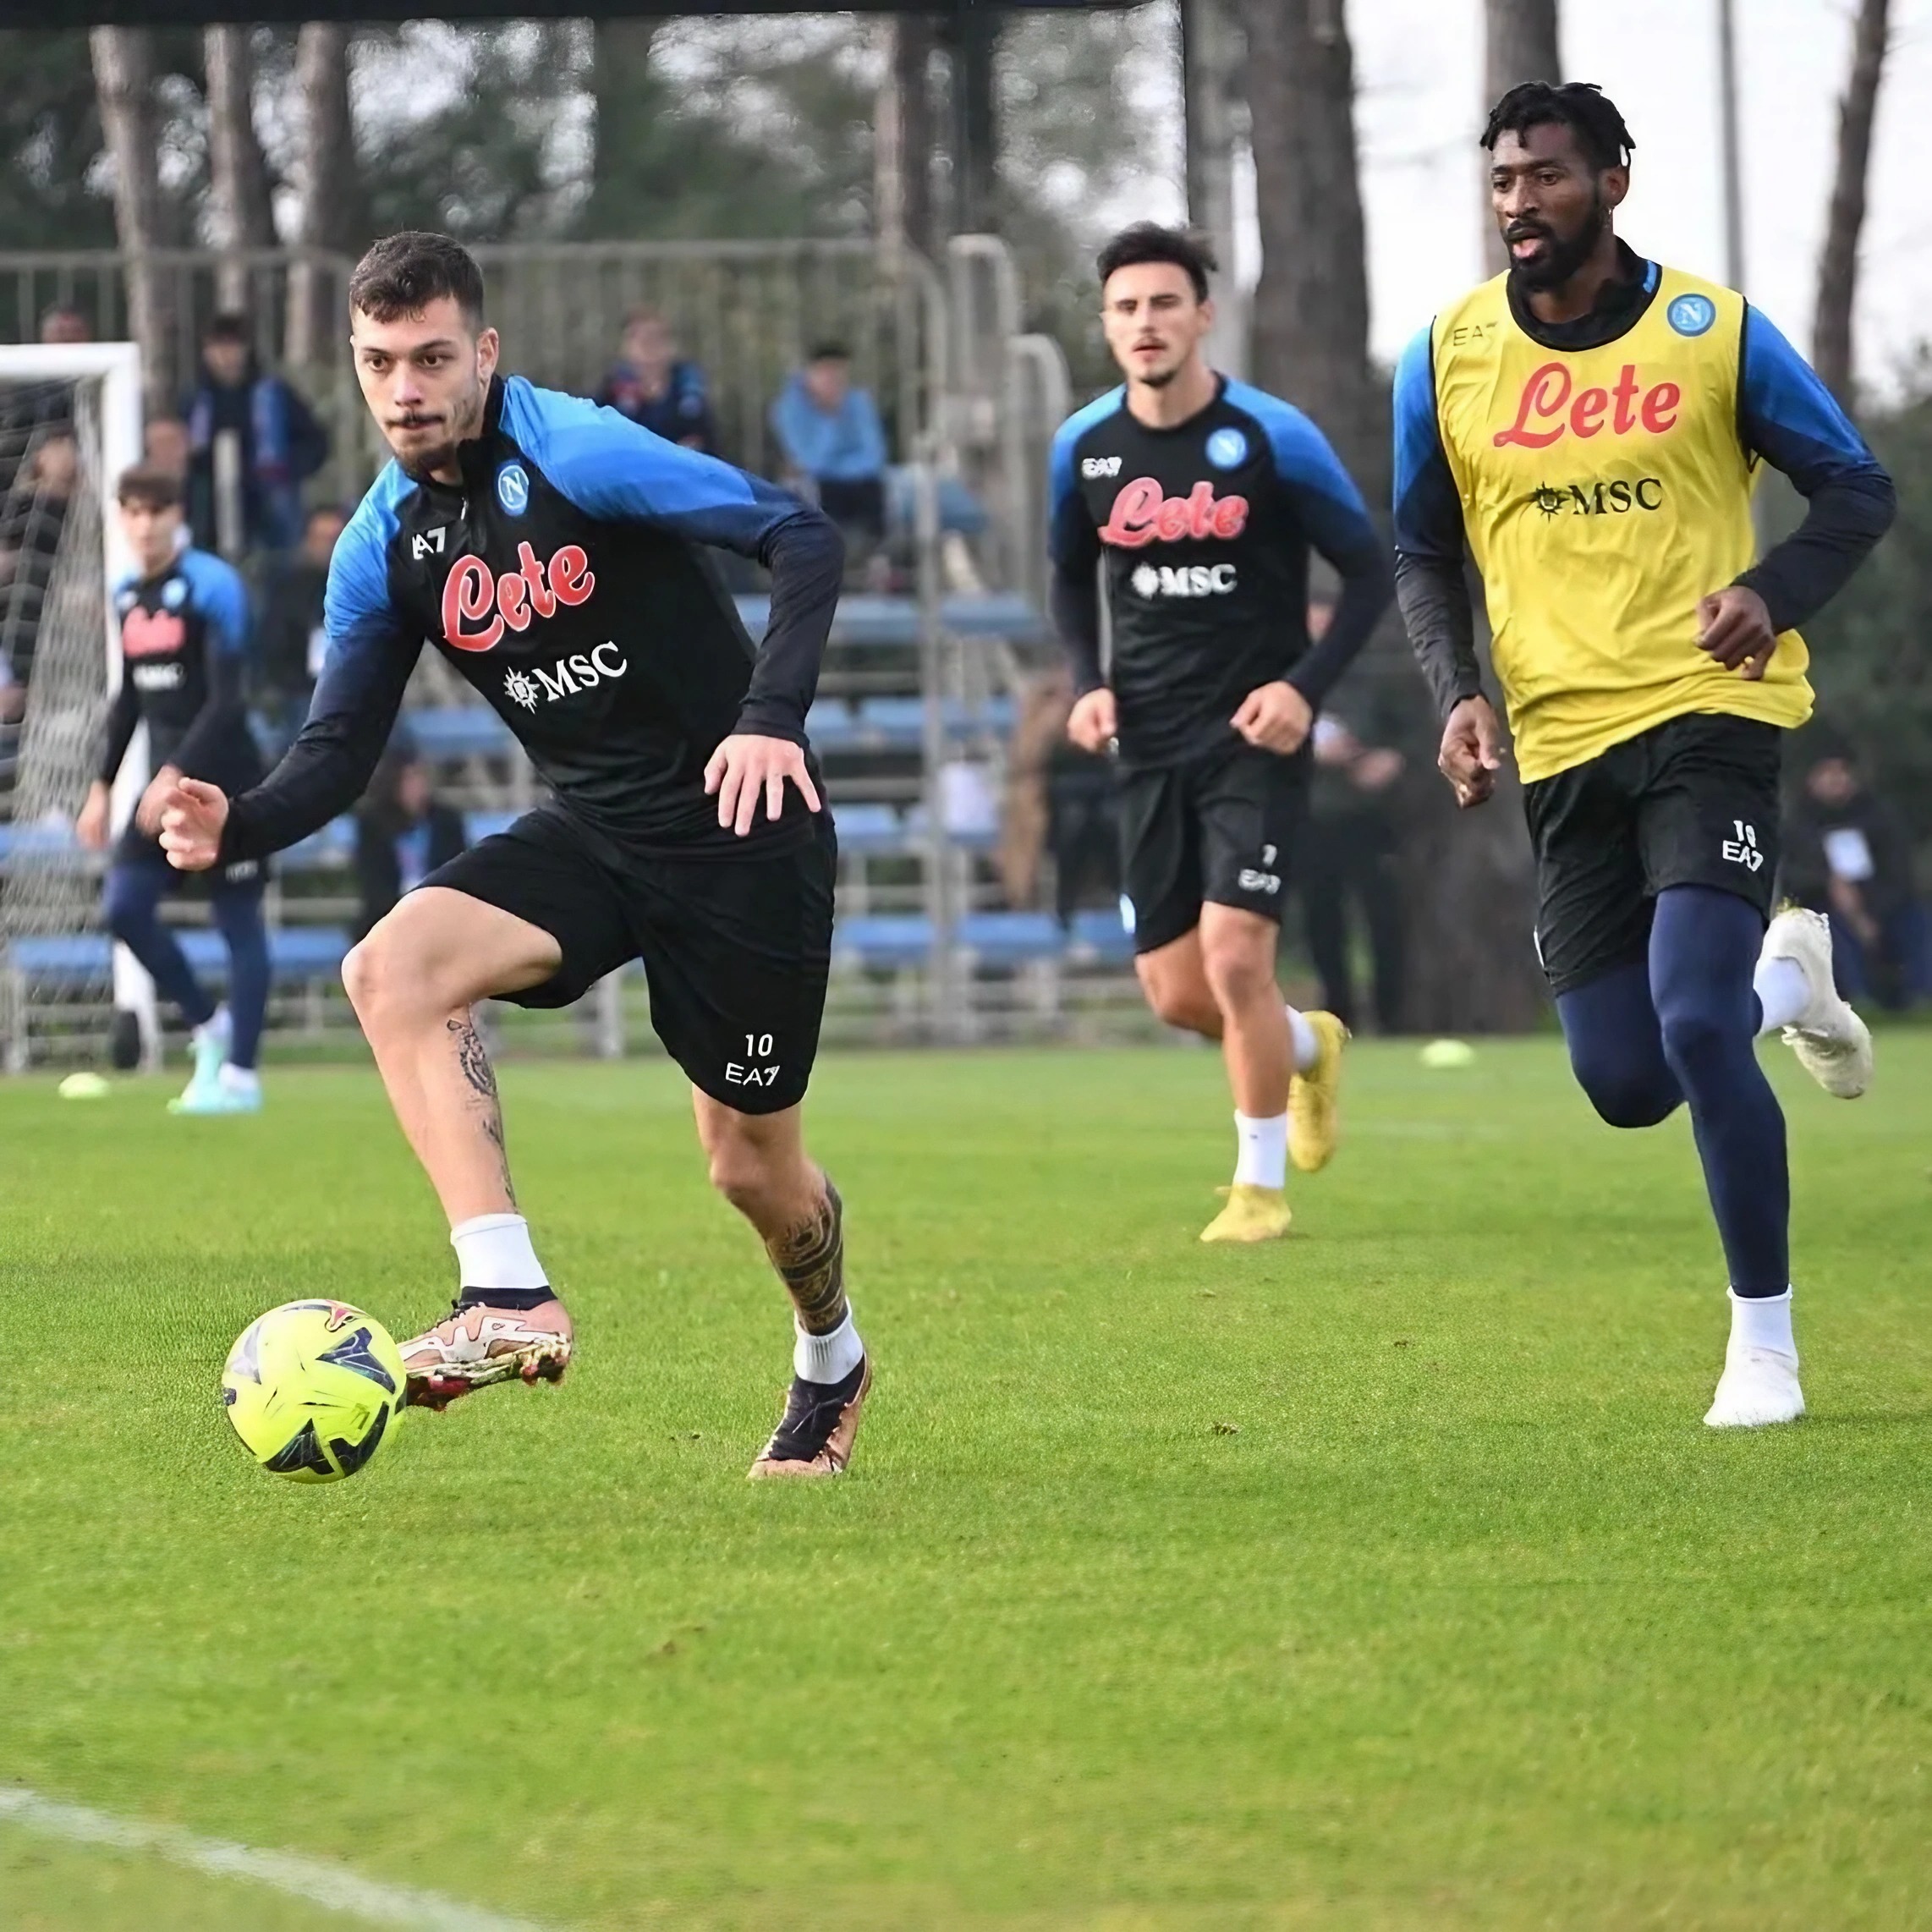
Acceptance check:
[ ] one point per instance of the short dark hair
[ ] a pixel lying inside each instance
(401, 275)
(1148, 241)
(830, 352)
(227, 326)
(155, 489)
(1580, 106)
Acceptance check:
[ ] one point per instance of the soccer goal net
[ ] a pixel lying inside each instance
(69, 422)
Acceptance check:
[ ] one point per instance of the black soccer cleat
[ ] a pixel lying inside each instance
(819, 1425)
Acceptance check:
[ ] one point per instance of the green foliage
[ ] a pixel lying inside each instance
(1381, 1579)
(50, 137)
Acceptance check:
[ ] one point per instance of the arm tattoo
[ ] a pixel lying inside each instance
(810, 1261)
(475, 1061)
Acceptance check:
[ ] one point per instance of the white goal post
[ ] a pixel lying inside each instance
(114, 369)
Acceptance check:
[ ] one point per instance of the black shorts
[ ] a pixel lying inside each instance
(735, 950)
(1218, 829)
(1691, 802)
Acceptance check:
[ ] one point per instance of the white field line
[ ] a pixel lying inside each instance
(333, 1887)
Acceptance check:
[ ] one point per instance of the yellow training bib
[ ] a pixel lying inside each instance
(1605, 491)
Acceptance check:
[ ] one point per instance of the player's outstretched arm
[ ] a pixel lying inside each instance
(193, 817)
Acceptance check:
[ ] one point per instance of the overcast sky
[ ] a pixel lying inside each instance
(1419, 65)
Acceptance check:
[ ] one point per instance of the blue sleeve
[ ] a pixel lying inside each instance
(1429, 512)
(1329, 509)
(610, 468)
(372, 648)
(1787, 415)
(222, 598)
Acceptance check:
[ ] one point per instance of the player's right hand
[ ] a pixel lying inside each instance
(1471, 752)
(90, 827)
(192, 818)
(1094, 720)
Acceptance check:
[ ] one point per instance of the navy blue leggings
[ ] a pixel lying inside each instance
(1682, 1025)
(135, 886)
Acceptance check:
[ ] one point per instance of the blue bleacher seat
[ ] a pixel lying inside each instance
(67, 958)
(35, 841)
(865, 621)
(1011, 939)
(480, 826)
(1100, 934)
(333, 845)
(295, 954)
(830, 726)
(869, 828)
(884, 939)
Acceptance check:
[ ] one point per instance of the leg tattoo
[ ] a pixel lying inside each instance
(810, 1261)
(475, 1061)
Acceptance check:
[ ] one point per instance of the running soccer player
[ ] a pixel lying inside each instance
(550, 551)
(1591, 422)
(1202, 498)
(184, 624)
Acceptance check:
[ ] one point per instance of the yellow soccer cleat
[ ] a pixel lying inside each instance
(1252, 1214)
(1315, 1113)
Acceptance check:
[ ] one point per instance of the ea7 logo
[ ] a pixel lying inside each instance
(1099, 466)
(1741, 849)
(427, 543)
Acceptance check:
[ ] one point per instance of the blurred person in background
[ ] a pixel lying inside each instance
(1848, 855)
(402, 833)
(276, 443)
(289, 635)
(64, 323)
(654, 386)
(184, 625)
(830, 436)
(1349, 854)
(31, 520)
(164, 446)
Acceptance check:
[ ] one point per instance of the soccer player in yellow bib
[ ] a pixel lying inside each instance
(1590, 423)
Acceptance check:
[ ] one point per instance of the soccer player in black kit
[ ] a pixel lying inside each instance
(1201, 498)
(183, 616)
(549, 550)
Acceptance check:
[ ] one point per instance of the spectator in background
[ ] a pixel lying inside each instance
(31, 520)
(402, 833)
(276, 441)
(164, 446)
(830, 434)
(649, 383)
(289, 636)
(64, 323)
(1848, 855)
(1348, 853)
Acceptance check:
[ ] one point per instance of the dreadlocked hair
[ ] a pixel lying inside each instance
(1581, 106)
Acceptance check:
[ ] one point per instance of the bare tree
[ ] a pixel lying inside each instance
(1519, 44)
(1211, 57)
(330, 214)
(124, 80)
(238, 193)
(902, 137)
(1838, 265)
(1311, 309)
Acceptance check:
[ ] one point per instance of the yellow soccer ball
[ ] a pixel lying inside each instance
(312, 1389)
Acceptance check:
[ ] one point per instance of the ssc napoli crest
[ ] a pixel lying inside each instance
(175, 594)
(1691, 315)
(1227, 448)
(513, 488)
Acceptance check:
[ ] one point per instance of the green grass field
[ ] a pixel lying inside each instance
(1385, 1577)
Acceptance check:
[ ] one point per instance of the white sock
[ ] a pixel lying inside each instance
(239, 1079)
(829, 1357)
(219, 1027)
(1783, 992)
(1762, 1321)
(1261, 1150)
(1302, 1043)
(494, 1251)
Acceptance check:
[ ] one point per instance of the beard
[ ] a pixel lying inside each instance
(1562, 258)
(464, 420)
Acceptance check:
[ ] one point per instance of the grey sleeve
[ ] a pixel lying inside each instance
(1435, 602)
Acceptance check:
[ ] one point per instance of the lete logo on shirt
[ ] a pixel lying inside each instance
(477, 603)
(151, 634)
(1143, 512)
(1548, 398)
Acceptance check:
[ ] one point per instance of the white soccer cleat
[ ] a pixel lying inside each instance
(1759, 1387)
(1832, 1043)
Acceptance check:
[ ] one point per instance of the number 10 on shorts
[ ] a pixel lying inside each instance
(756, 1069)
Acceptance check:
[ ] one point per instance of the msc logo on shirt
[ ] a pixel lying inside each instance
(1615, 498)
(1190, 580)
(582, 670)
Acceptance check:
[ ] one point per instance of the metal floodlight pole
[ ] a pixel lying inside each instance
(1727, 123)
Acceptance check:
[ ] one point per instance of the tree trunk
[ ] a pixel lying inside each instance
(627, 95)
(1311, 309)
(330, 218)
(1838, 265)
(1519, 44)
(904, 138)
(239, 194)
(123, 79)
(973, 43)
(1211, 67)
